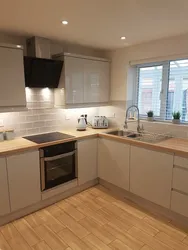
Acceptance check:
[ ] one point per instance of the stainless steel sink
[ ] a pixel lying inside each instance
(121, 133)
(145, 137)
(153, 138)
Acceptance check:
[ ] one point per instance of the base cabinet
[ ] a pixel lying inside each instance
(4, 193)
(151, 175)
(87, 160)
(113, 162)
(24, 179)
(179, 203)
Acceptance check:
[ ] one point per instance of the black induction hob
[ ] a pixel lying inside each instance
(48, 137)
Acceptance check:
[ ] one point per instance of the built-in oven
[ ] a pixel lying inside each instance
(58, 164)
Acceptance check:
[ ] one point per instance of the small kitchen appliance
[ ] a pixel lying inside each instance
(100, 122)
(48, 137)
(58, 164)
(81, 124)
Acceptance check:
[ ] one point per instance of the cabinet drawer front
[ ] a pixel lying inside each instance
(180, 161)
(180, 179)
(179, 203)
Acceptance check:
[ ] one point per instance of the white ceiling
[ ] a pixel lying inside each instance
(96, 23)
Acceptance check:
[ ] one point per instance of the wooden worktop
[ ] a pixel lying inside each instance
(20, 144)
(16, 145)
(177, 146)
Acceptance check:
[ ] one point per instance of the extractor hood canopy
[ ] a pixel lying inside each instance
(40, 70)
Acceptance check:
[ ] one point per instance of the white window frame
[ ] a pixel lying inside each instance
(164, 87)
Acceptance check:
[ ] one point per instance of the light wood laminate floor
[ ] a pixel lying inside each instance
(92, 219)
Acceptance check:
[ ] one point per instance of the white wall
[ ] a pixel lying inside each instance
(150, 51)
(122, 79)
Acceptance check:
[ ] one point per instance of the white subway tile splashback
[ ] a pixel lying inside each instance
(42, 117)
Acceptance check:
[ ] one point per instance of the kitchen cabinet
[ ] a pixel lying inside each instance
(113, 162)
(12, 87)
(87, 160)
(181, 162)
(24, 179)
(4, 194)
(179, 203)
(151, 175)
(180, 177)
(74, 80)
(83, 80)
(96, 81)
(180, 174)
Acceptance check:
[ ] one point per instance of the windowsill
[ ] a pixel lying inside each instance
(165, 122)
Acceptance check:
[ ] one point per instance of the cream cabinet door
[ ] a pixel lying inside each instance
(113, 162)
(12, 87)
(74, 80)
(4, 194)
(151, 175)
(87, 160)
(24, 179)
(179, 203)
(96, 81)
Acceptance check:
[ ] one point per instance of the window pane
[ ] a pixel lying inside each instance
(178, 89)
(150, 82)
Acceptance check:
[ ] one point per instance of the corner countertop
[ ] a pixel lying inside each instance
(176, 146)
(20, 144)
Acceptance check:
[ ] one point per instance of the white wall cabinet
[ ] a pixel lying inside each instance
(96, 81)
(4, 194)
(87, 160)
(113, 162)
(151, 175)
(84, 80)
(74, 80)
(12, 87)
(24, 179)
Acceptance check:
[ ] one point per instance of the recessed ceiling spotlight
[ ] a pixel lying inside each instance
(18, 46)
(123, 38)
(64, 22)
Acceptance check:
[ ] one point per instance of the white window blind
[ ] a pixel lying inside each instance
(163, 88)
(178, 89)
(150, 84)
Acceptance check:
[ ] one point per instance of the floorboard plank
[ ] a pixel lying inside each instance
(92, 219)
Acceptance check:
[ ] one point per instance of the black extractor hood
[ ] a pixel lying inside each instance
(40, 70)
(41, 73)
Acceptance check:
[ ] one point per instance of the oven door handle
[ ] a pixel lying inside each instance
(59, 156)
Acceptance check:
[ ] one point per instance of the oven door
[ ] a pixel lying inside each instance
(57, 169)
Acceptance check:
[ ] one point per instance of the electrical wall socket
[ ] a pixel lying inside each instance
(67, 117)
(111, 115)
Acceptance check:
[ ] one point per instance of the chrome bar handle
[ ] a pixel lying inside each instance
(53, 158)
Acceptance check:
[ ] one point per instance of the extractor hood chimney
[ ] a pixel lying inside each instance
(38, 47)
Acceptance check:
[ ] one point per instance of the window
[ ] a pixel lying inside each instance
(163, 88)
